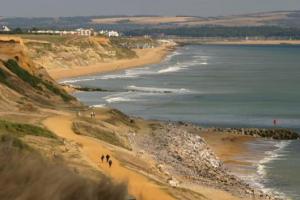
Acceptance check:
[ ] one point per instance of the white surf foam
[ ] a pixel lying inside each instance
(170, 56)
(158, 90)
(271, 156)
(99, 106)
(137, 72)
(170, 69)
(262, 167)
(78, 80)
(118, 99)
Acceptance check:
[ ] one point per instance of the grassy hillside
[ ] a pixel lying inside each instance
(23, 82)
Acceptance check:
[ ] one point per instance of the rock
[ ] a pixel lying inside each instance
(160, 168)
(173, 182)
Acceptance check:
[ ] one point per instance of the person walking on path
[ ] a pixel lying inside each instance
(102, 157)
(107, 157)
(110, 163)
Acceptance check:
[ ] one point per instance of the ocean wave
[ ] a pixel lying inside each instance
(99, 106)
(262, 167)
(138, 72)
(118, 99)
(201, 57)
(170, 56)
(77, 80)
(158, 90)
(170, 69)
(271, 156)
(117, 76)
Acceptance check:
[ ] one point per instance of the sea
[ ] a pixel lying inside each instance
(219, 86)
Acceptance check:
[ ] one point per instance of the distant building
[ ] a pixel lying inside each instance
(110, 33)
(85, 32)
(5, 29)
(80, 31)
(113, 34)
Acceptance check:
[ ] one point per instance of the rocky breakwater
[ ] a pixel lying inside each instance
(181, 152)
(275, 133)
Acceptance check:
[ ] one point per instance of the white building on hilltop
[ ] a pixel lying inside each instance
(5, 29)
(113, 34)
(110, 33)
(85, 32)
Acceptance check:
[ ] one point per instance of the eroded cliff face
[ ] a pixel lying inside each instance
(23, 84)
(69, 51)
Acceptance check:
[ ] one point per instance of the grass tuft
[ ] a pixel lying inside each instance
(20, 130)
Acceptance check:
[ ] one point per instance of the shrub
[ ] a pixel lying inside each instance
(21, 130)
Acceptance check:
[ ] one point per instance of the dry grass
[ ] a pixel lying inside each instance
(26, 176)
(256, 19)
(143, 20)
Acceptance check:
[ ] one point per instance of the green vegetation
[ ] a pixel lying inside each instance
(13, 142)
(20, 130)
(55, 39)
(85, 128)
(3, 77)
(23, 74)
(34, 81)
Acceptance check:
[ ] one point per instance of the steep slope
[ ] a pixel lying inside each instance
(52, 51)
(22, 82)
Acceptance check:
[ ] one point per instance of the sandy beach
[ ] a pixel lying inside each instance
(144, 57)
(255, 42)
(228, 146)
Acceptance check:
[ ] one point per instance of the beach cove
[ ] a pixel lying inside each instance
(238, 66)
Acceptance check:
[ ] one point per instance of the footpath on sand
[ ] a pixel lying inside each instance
(138, 185)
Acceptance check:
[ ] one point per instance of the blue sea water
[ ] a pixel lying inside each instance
(226, 86)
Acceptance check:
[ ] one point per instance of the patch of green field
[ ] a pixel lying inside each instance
(21, 130)
(87, 129)
(57, 39)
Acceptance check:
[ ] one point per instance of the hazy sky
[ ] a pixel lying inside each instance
(38, 8)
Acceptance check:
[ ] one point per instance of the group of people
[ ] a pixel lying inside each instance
(93, 115)
(108, 160)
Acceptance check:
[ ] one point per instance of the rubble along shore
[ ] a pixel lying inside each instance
(185, 158)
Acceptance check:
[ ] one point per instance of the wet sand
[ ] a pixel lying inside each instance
(228, 147)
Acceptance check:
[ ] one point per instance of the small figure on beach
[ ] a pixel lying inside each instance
(274, 122)
(102, 157)
(110, 163)
(107, 157)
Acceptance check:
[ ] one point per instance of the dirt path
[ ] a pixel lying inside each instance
(138, 185)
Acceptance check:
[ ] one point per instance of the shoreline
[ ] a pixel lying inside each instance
(155, 56)
(144, 57)
(232, 151)
(186, 160)
(233, 42)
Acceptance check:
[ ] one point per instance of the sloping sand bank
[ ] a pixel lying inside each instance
(145, 56)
